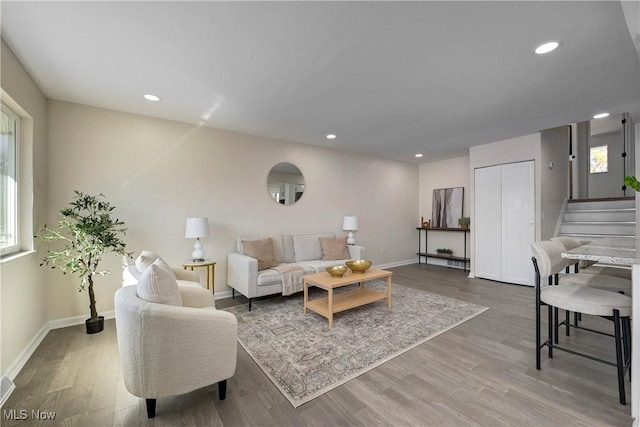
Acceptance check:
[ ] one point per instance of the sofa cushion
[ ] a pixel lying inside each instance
(334, 249)
(319, 266)
(158, 286)
(273, 277)
(262, 250)
(307, 246)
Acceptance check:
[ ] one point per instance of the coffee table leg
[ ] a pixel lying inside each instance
(389, 291)
(306, 297)
(330, 308)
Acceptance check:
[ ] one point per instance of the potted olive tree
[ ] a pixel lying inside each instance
(88, 232)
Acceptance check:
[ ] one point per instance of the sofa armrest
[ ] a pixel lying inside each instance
(242, 273)
(196, 297)
(357, 252)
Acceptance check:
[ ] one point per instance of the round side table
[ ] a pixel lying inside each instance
(210, 265)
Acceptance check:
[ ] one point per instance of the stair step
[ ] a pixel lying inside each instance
(587, 236)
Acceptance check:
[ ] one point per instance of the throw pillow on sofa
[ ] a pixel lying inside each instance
(157, 285)
(262, 250)
(334, 249)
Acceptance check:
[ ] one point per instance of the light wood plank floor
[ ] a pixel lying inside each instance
(479, 373)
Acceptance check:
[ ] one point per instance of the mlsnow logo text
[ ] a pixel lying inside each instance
(23, 414)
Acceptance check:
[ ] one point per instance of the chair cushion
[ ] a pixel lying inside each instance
(334, 249)
(146, 258)
(262, 250)
(158, 286)
(586, 300)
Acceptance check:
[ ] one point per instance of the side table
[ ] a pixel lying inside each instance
(210, 265)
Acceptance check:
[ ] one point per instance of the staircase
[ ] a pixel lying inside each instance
(589, 219)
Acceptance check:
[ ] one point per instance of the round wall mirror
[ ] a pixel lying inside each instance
(285, 183)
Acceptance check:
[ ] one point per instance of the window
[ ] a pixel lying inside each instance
(9, 126)
(599, 159)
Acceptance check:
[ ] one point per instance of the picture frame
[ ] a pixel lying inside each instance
(447, 207)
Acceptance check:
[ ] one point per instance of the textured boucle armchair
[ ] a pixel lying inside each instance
(168, 350)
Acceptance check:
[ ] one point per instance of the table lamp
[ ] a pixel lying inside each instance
(350, 224)
(197, 228)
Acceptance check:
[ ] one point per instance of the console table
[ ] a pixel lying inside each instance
(425, 254)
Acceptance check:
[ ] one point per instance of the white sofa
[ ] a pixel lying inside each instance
(303, 250)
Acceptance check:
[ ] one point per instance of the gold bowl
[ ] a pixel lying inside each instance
(359, 266)
(337, 270)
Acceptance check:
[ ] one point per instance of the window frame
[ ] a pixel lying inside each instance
(16, 247)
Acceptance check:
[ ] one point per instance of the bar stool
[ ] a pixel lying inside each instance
(548, 263)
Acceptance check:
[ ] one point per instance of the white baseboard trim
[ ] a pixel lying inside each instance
(221, 295)
(77, 320)
(397, 263)
(26, 353)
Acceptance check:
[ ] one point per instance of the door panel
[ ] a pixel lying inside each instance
(488, 223)
(518, 222)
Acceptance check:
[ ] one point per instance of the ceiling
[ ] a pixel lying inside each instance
(391, 79)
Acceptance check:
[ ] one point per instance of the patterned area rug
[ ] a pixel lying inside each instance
(304, 358)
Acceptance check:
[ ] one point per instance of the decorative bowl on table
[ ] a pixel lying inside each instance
(359, 266)
(337, 270)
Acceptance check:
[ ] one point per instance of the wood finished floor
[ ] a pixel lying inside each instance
(479, 373)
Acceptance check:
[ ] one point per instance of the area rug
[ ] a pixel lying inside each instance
(304, 358)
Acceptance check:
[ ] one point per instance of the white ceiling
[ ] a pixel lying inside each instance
(389, 78)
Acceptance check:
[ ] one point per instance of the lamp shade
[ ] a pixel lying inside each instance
(350, 223)
(197, 227)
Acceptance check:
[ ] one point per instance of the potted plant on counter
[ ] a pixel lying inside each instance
(88, 231)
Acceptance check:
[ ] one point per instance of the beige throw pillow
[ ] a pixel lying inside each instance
(262, 250)
(334, 249)
(157, 285)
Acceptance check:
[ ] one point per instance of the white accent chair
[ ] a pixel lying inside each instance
(167, 350)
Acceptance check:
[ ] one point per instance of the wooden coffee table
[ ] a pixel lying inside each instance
(344, 301)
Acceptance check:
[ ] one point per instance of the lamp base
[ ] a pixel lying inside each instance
(198, 254)
(350, 239)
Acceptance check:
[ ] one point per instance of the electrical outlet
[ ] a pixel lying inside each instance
(381, 251)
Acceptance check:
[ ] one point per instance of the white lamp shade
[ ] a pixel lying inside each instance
(197, 227)
(350, 223)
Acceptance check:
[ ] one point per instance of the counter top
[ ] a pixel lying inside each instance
(610, 250)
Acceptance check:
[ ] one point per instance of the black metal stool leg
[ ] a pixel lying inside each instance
(619, 362)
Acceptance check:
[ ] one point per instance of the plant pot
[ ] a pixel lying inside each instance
(94, 325)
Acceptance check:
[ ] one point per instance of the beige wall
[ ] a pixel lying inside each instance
(157, 173)
(23, 312)
(554, 177)
(443, 174)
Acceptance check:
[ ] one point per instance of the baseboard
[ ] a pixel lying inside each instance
(24, 356)
(6, 387)
(397, 263)
(221, 295)
(77, 320)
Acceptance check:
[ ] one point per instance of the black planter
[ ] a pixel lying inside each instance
(95, 325)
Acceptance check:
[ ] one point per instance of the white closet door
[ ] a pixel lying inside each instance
(518, 222)
(488, 223)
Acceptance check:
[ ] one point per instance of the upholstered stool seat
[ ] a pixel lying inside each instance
(586, 300)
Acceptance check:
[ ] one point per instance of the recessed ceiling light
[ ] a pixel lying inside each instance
(331, 136)
(547, 47)
(601, 116)
(418, 155)
(150, 97)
